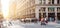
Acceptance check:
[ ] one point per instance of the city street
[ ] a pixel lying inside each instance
(29, 13)
(37, 25)
(34, 25)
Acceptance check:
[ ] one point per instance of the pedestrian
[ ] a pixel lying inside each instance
(43, 21)
(46, 20)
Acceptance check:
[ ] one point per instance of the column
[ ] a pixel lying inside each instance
(55, 1)
(42, 2)
(37, 12)
(30, 13)
(41, 12)
(46, 12)
(47, 1)
(55, 13)
(37, 1)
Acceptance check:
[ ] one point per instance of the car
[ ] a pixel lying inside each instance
(30, 20)
(22, 20)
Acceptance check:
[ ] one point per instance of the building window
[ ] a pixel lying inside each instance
(43, 8)
(51, 9)
(51, 2)
(58, 1)
(42, 1)
(58, 8)
(39, 10)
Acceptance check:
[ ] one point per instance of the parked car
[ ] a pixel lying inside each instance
(22, 20)
(27, 20)
(31, 20)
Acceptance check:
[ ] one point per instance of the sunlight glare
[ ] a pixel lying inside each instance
(5, 7)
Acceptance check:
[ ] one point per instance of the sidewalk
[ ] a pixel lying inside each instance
(52, 23)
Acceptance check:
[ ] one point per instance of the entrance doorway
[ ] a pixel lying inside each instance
(58, 16)
(51, 16)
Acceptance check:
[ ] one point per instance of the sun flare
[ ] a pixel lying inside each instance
(5, 7)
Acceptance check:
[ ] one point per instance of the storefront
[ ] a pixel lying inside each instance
(58, 16)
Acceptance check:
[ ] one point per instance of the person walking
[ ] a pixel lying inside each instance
(46, 20)
(43, 21)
